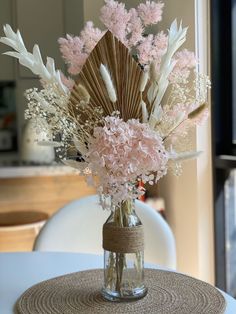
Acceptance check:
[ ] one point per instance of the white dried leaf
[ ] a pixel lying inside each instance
(81, 147)
(143, 81)
(177, 37)
(152, 92)
(183, 155)
(32, 61)
(50, 143)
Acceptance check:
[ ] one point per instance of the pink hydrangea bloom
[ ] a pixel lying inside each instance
(90, 36)
(185, 61)
(123, 151)
(115, 17)
(150, 12)
(72, 51)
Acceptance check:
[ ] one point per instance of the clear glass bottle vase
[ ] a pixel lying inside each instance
(123, 244)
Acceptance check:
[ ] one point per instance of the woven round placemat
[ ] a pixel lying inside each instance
(168, 292)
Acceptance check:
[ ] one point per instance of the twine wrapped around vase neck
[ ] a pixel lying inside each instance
(123, 239)
(123, 231)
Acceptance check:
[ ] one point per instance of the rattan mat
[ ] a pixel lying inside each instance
(168, 292)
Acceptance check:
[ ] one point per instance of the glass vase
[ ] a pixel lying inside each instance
(123, 243)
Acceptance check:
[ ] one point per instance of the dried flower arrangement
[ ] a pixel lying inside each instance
(127, 113)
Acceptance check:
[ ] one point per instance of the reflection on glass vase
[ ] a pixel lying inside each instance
(123, 243)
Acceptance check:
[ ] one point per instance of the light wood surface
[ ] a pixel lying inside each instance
(17, 240)
(42, 194)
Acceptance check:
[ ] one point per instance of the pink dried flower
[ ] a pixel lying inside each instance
(199, 118)
(145, 50)
(67, 81)
(185, 58)
(123, 151)
(160, 43)
(135, 28)
(72, 51)
(187, 123)
(150, 12)
(152, 48)
(115, 17)
(90, 36)
(185, 61)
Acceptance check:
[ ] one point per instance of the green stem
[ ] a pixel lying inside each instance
(118, 283)
(121, 218)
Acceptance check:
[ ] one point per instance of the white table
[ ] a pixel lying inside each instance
(19, 271)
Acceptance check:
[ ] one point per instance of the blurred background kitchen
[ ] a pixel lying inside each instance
(200, 206)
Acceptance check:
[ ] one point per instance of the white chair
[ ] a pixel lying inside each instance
(77, 227)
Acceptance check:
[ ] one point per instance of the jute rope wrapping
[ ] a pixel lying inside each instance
(168, 292)
(123, 239)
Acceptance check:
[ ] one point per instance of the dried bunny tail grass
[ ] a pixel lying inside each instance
(196, 112)
(143, 81)
(108, 83)
(82, 93)
(144, 112)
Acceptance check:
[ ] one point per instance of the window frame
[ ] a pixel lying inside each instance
(223, 148)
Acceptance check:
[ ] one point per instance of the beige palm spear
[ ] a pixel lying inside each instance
(125, 74)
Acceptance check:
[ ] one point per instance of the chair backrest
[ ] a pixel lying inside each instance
(18, 229)
(77, 227)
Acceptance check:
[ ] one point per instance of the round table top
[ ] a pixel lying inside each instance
(19, 271)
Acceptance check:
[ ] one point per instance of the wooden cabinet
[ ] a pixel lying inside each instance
(41, 22)
(41, 193)
(44, 194)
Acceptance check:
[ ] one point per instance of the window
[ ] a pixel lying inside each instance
(234, 67)
(223, 47)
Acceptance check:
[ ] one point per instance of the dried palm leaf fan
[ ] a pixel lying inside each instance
(125, 74)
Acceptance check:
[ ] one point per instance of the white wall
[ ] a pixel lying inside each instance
(189, 198)
(92, 11)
